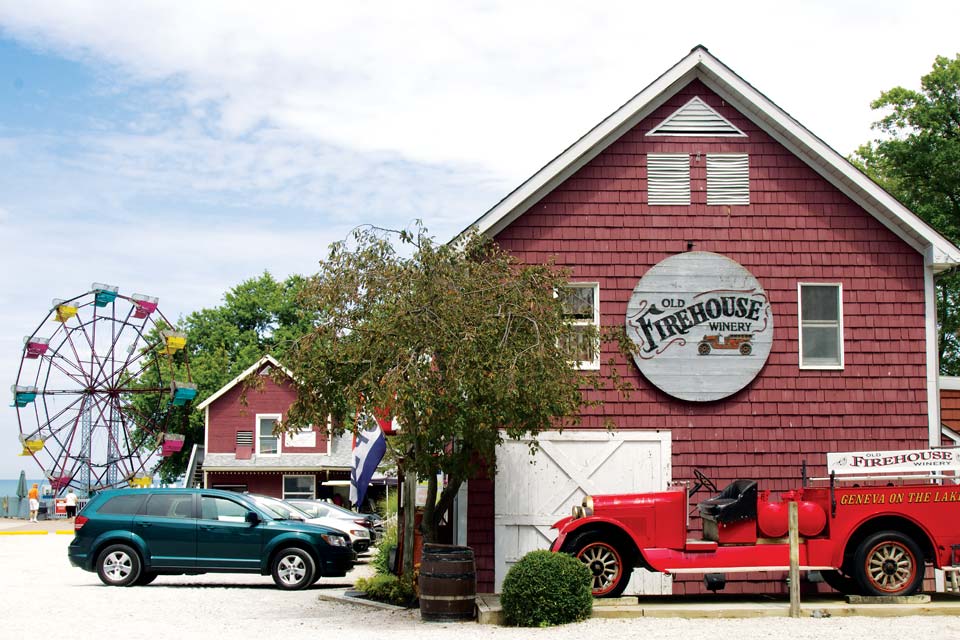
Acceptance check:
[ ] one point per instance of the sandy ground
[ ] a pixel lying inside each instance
(44, 596)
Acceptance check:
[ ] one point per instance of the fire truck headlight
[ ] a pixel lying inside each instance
(577, 512)
(588, 506)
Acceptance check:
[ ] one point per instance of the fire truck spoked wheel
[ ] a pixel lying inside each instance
(889, 563)
(605, 561)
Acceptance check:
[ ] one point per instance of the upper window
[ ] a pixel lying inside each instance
(299, 487)
(222, 509)
(581, 308)
(267, 442)
(728, 178)
(668, 178)
(170, 505)
(821, 326)
(125, 504)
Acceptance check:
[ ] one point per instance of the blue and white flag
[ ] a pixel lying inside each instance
(368, 448)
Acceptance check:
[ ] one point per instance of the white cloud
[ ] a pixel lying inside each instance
(505, 85)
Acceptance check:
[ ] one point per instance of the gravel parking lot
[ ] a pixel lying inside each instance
(43, 594)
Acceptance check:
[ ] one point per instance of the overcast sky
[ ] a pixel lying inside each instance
(177, 149)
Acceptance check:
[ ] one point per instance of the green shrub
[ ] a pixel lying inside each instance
(389, 588)
(381, 559)
(545, 588)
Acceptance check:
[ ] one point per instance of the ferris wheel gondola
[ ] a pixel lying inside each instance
(99, 383)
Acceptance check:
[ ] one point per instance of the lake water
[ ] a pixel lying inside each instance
(8, 487)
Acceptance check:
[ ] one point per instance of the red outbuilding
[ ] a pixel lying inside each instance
(242, 453)
(781, 302)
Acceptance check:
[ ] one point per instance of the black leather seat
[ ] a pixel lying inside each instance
(737, 501)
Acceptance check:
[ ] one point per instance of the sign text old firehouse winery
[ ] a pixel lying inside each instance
(702, 326)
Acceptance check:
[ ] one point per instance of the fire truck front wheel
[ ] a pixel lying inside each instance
(606, 560)
(889, 563)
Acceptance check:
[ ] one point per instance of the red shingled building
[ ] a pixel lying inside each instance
(701, 163)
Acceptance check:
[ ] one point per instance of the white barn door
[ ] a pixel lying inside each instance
(533, 492)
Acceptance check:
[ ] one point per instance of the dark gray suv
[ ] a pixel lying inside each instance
(130, 536)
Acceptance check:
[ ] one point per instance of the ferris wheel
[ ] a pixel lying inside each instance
(100, 381)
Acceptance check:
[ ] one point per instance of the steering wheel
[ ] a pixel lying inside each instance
(704, 481)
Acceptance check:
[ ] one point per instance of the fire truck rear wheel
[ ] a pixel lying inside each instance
(607, 561)
(839, 582)
(889, 563)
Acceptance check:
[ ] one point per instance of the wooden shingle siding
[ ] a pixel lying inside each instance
(796, 228)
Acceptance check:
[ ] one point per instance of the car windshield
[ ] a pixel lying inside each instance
(279, 508)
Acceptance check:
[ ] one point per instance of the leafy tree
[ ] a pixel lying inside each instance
(258, 316)
(458, 342)
(917, 159)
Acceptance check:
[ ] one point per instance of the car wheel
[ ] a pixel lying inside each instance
(703, 348)
(118, 566)
(745, 349)
(889, 563)
(605, 559)
(839, 582)
(146, 577)
(293, 569)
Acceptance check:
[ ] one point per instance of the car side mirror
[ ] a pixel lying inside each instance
(252, 517)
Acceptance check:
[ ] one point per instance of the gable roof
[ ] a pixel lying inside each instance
(938, 252)
(256, 367)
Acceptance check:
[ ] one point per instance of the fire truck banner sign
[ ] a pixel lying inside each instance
(917, 461)
(701, 324)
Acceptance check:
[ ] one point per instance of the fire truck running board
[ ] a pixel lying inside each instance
(700, 545)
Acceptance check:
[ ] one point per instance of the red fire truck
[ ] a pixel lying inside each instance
(870, 528)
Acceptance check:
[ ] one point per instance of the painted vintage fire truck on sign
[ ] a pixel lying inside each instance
(870, 528)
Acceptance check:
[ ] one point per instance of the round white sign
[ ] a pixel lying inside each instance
(702, 326)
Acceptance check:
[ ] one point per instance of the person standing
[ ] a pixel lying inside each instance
(34, 497)
(71, 502)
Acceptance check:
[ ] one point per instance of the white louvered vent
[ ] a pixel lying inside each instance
(728, 178)
(668, 178)
(696, 118)
(244, 438)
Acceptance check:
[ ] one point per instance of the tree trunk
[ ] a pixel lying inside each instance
(409, 512)
(428, 525)
(435, 509)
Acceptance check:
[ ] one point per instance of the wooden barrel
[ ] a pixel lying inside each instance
(448, 583)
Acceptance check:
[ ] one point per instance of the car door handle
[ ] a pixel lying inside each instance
(206, 526)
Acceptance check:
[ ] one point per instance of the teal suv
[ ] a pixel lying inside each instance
(130, 536)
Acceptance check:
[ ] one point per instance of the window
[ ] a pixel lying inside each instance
(170, 505)
(821, 326)
(728, 178)
(581, 308)
(267, 443)
(216, 508)
(123, 505)
(299, 487)
(668, 178)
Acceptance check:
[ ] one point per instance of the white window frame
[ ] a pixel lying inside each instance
(256, 432)
(588, 365)
(313, 482)
(800, 324)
